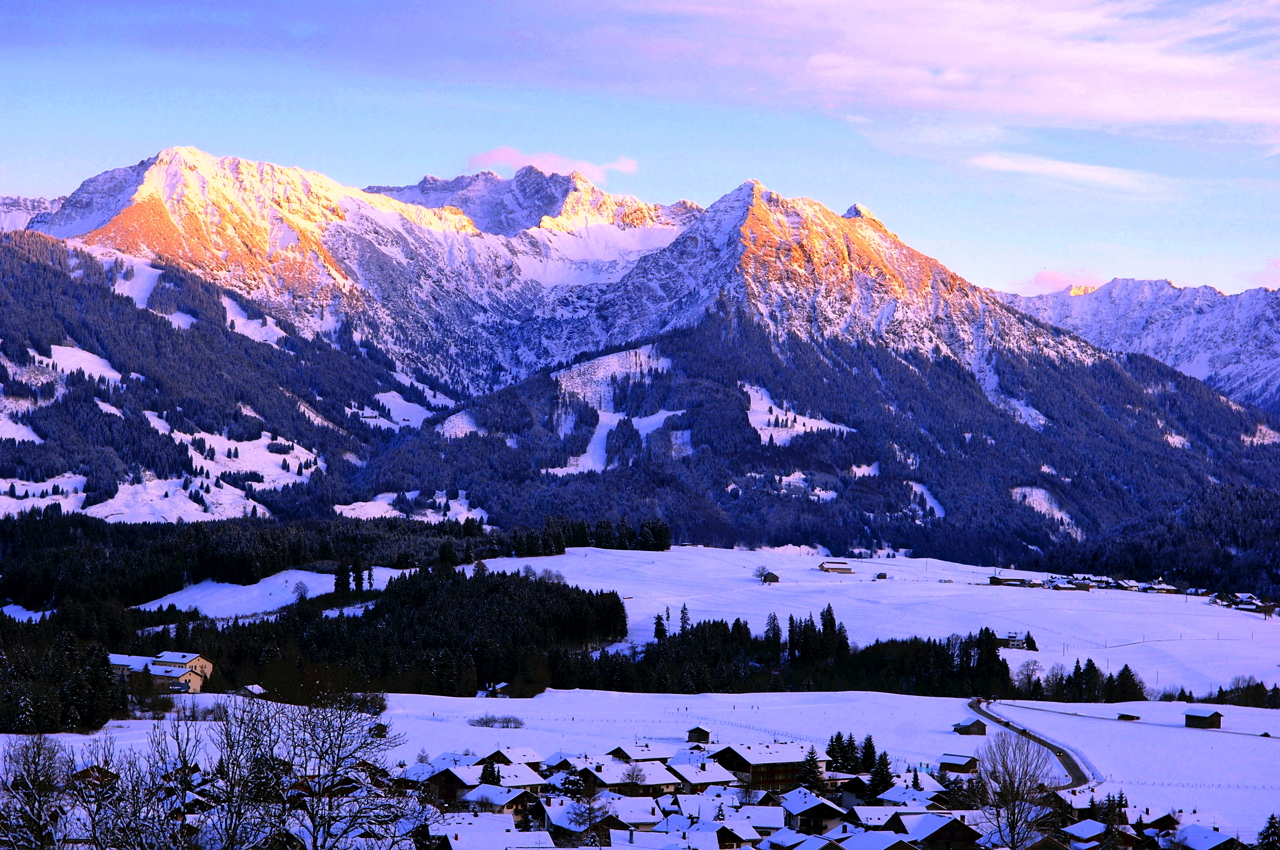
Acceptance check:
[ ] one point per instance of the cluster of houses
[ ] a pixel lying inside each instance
(170, 672)
(708, 796)
(1086, 582)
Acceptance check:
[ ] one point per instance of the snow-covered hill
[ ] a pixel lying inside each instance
(482, 280)
(1231, 342)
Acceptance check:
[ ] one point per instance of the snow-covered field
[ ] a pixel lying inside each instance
(1167, 639)
(1162, 765)
(778, 421)
(215, 599)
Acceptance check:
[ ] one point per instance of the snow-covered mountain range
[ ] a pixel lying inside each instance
(1231, 342)
(16, 213)
(482, 280)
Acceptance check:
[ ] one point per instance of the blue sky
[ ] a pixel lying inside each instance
(1025, 145)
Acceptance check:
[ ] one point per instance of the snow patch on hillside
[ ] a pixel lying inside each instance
(259, 330)
(164, 500)
(180, 320)
(70, 359)
(434, 398)
(28, 494)
(380, 507)
(10, 430)
(109, 409)
(216, 599)
(251, 456)
(403, 412)
(865, 471)
(1043, 502)
(1262, 436)
(590, 380)
(929, 498)
(459, 425)
(1177, 440)
(596, 455)
(779, 421)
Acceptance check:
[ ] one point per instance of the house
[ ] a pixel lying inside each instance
(644, 778)
(854, 838)
(483, 831)
(1197, 837)
(451, 783)
(699, 735)
(770, 578)
(698, 777)
(648, 751)
(772, 766)
(810, 814)
(177, 672)
(504, 801)
(514, 755)
(1084, 833)
(953, 763)
(841, 567)
(765, 820)
(1203, 717)
(905, 795)
(1046, 842)
(684, 840)
(730, 835)
(789, 839)
(970, 727)
(558, 817)
(641, 813)
(935, 831)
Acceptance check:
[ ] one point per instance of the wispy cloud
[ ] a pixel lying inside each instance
(552, 163)
(1269, 277)
(1079, 173)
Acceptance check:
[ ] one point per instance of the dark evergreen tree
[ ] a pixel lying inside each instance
(881, 777)
(489, 774)
(810, 774)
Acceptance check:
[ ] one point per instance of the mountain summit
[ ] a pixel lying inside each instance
(481, 280)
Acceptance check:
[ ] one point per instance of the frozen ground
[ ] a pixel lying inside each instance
(1162, 765)
(1166, 639)
(215, 599)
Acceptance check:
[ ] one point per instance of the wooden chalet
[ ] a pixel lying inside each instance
(953, 763)
(767, 767)
(974, 726)
(1203, 717)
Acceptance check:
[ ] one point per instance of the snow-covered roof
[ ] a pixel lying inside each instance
(647, 751)
(920, 826)
(619, 773)
(176, 657)
(512, 775)
(801, 800)
(772, 753)
(900, 795)
(1202, 711)
(856, 839)
(762, 817)
(135, 663)
(516, 755)
(663, 840)
(494, 795)
(1197, 837)
(1085, 830)
(636, 811)
(699, 774)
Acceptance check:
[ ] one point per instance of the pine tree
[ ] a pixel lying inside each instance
(342, 583)
(684, 618)
(1269, 837)
(489, 774)
(881, 776)
(868, 760)
(915, 781)
(659, 628)
(810, 775)
(835, 753)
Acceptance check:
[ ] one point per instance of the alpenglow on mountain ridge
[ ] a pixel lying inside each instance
(481, 280)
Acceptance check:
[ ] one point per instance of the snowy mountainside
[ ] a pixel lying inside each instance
(482, 280)
(16, 213)
(1231, 342)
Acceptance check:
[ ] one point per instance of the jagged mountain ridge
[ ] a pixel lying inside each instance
(455, 277)
(1231, 342)
(16, 212)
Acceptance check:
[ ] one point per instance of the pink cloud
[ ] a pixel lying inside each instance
(1269, 277)
(552, 163)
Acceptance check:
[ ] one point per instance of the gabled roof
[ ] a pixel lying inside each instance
(699, 774)
(512, 775)
(1202, 711)
(920, 826)
(1197, 837)
(516, 755)
(802, 800)
(664, 840)
(647, 751)
(901, 795)
(177, 657)
(495, 795)
(617, 773)
(762, 817)
(774, 753)
(636, 811)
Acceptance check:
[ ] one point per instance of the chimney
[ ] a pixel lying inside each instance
(631, 835)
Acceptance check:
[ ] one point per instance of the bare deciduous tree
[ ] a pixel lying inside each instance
(1014, 773)
(634, 777)
(33, 798)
